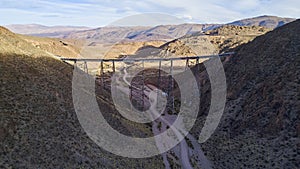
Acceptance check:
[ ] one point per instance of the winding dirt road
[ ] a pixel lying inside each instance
(184, 149)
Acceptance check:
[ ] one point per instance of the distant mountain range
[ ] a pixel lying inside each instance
(218, 40)
(161, 32)
(265, 21)
(44, 31)
(165, 40)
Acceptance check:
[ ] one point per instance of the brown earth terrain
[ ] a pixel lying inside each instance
(38, 124)
(260, 124)
(215, 41)
(129, 48)
(35, 46)
(219, 40)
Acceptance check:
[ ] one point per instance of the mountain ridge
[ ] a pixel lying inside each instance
(44, 31)
(159, 32)
(267, 21)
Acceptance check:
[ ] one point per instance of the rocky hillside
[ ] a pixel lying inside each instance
(219, 40)
(188, 46)
(129, 48)
(227, 37)
(38, 123)
(231, 30)
(260, 127)
(34, 46)
(265, 21)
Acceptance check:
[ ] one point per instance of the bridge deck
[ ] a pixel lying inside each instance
(136, 89)
(144, 60)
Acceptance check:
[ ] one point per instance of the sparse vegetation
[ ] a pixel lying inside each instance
(259, 128)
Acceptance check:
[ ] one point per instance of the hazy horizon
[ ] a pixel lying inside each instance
(98, 13)
(183, 22)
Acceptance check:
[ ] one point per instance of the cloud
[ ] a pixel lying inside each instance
(148, 19)
(186, 17)
(103, 12)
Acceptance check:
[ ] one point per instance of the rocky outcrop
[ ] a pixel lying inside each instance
(219, 40)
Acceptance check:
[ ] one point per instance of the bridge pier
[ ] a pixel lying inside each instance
(85, 67)
(114, 67)
(187, 64)
(170, 88)
(158, 82)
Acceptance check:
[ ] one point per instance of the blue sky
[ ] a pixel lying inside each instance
(95, 13)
